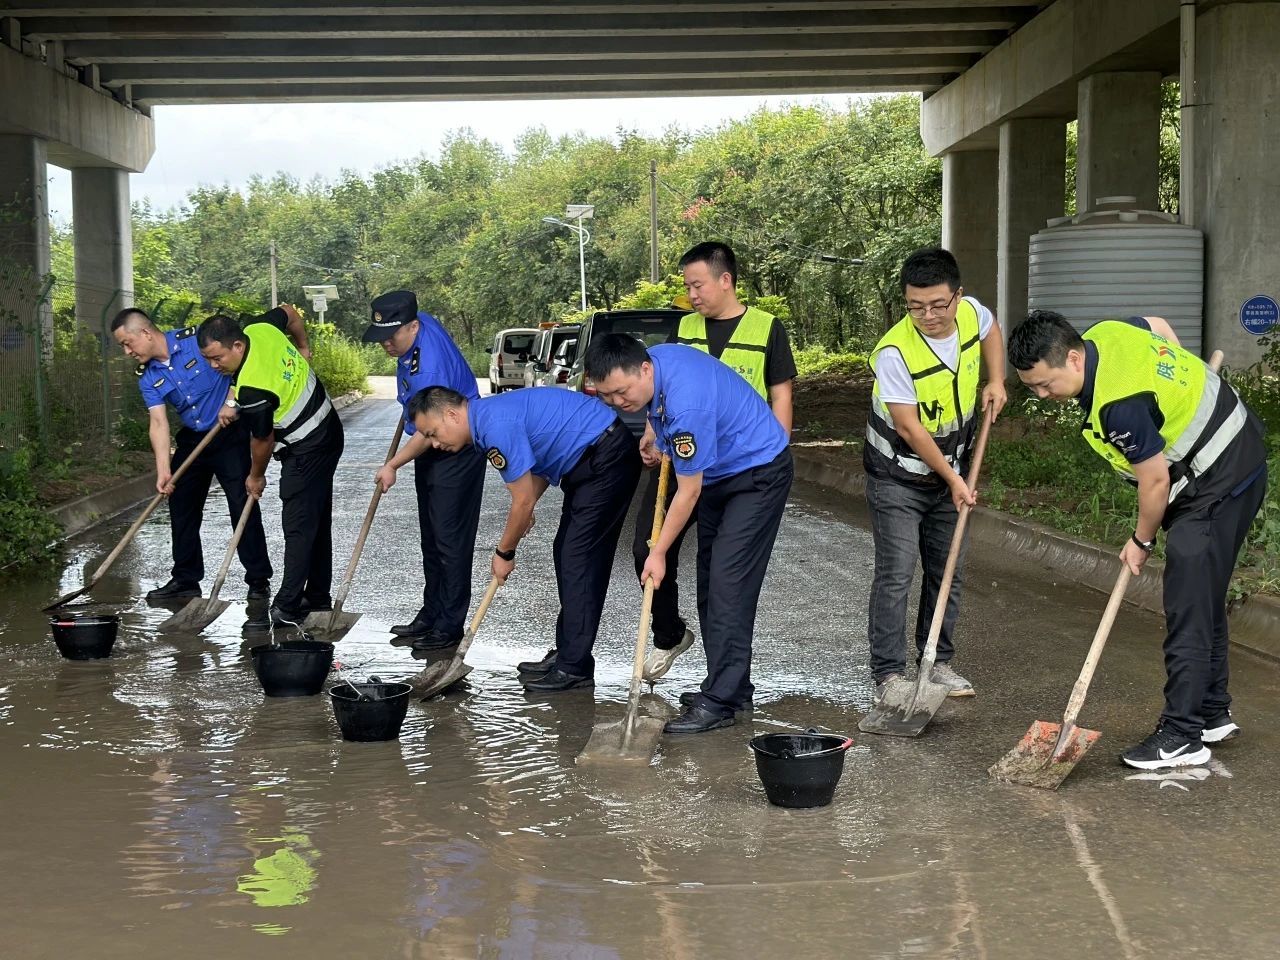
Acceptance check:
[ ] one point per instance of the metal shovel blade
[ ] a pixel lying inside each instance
(905, 709)
(1037, 762)
(196, 615)
(613, 743)
(330, 625)
(438, 677)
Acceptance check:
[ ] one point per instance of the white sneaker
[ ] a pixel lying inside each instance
(658, 662)
(957, 686)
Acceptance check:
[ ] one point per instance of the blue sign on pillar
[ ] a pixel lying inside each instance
(1259, 315)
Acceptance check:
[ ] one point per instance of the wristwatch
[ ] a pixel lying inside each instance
(507, 555)
(1146, 545)
(230, 403)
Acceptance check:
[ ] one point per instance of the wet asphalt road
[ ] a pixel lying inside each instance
(156, 803)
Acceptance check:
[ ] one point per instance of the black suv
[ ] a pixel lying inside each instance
(650, 326)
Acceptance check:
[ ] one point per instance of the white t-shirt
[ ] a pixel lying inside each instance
(896, 385)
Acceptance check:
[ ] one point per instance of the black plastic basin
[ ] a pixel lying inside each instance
(800, 770)
(85, 636)
(292, 668)
(370, 711)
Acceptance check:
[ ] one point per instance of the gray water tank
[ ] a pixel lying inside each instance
(1118, 261)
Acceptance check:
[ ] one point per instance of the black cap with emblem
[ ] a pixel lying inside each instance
(391, 311)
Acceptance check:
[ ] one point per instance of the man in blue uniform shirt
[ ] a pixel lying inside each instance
(732, 462)
(171, 370)
(449, 484)
(535, 439)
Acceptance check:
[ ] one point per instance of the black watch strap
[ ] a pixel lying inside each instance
(1146, 545)
(507, 555)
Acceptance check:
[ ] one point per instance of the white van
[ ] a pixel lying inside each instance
(510, 352)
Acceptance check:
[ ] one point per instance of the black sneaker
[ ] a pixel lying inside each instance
(175, 590)
(1219, 727)
(1165, 749)
(259, 590)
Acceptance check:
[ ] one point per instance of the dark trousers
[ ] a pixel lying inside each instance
(738, 519)
(909, 523)
(1201, 548)
(227, 458)
(668, 625)
(597, 496)
(449, 487)
(306, 491)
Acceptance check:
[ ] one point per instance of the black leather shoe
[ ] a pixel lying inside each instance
(436, 640)
(690, 697)
(412, 630)
(175, 590)
(555, 681)
(697, 720)
(285, 618)
(316, 606)
(259, 590)
(539, 667)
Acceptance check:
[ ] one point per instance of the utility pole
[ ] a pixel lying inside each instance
(653, 221)
(275, 299)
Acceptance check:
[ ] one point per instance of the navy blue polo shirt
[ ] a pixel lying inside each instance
(544, 431)
(434, 360)
(707, 417)
(196, 390)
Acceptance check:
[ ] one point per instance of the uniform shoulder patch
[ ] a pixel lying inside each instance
(185, 332)
(139, 370)
(496, 458)
(684, 446)
(415, 361)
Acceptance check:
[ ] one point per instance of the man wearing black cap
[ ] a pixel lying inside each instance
(286, 409)
(449, 484)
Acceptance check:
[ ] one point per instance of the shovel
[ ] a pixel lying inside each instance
(905, 709)
(199, 613)
(137, 524)
(439, 677)
(635, 737)
(334, 624)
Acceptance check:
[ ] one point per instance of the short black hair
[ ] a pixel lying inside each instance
(717, 256)
(1044, 335)
(929, 267)
(222, 329)
(123, 316)
(611, 352)
(435, 400)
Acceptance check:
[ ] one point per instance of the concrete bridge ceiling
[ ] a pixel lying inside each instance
(186, 51)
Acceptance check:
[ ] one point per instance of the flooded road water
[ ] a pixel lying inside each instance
(156, 804)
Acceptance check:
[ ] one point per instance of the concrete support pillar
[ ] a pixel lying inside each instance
(969, 203)
(1032, 188)
(1235, 172)
(24, 232)
(103, 234)
(1118, 146)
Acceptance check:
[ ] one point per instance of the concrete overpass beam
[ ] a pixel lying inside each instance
(1236, 176)
(1032, 184)
(1118, 147)
(103, 234)
(969, 217)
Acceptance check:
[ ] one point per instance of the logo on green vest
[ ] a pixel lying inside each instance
(1165, 359)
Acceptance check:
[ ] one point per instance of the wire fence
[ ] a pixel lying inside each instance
(66, 387)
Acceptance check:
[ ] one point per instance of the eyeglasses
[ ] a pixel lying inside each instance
(921, 312)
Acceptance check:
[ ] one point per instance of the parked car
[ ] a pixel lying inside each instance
(557, 374)
(545, 345)
(510, 351)
(649, 326)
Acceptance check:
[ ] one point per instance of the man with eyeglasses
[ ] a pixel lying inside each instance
(920, 432)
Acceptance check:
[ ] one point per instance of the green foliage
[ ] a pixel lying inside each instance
(340, 362)
(132, 432)
(816, 361)
(650, 296)
(26, 528)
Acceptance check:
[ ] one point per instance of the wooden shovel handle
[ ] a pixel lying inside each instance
(646, 607)
(231, 547)
(345, 587)
(481, 610)
(953, 555)
(150, 507)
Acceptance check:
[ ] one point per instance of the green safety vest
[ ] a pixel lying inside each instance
(746, 349)
(1133, 362)
(946, 400)
(276, 365)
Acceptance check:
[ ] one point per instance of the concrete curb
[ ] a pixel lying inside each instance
(1255, 622)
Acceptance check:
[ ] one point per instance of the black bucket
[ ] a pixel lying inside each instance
(85, 636)
(292, 668)
(800, 770)
(377, 717)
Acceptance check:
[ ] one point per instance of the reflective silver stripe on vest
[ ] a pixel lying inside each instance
(910, 465)
(308, 426)
(1211, 451)
(1204, 413)
(910, 462)
(299, 405)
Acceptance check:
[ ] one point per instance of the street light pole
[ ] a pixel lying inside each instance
(579, 212)
(582, 265)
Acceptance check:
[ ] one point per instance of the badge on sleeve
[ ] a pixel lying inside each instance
(496, 458)
(684, 446)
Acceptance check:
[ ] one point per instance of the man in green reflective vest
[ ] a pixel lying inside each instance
(919, 433)
(1171, 426)
(287, 411)
(755, 345)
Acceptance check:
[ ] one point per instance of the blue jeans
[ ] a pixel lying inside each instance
(909, 524)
